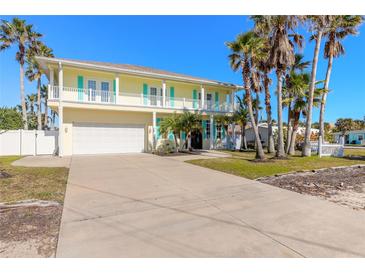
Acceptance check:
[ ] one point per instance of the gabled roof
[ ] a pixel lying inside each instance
(132, 70)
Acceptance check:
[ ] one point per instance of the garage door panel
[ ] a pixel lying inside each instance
(107, 138)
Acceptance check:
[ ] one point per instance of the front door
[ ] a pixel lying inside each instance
(196, 139)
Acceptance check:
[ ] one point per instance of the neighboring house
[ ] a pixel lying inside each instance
(111, 108)
(352, 137)
(263, 132)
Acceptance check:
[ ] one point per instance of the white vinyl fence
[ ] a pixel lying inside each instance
(28, 142)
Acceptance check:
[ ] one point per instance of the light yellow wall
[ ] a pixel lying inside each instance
(72, 115)
(134, 84)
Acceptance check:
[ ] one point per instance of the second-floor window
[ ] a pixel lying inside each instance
(209, 101)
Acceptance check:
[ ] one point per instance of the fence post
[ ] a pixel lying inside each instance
(320, 146)
(20, 141)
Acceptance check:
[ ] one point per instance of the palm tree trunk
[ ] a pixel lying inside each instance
(307, 145)
(270, 137)
(245, 73)
(257, 107)
(243, 137)
(294, 133)
(39, 113)
(324, 97)
(22, 97)
(280, 152)
(289, 129)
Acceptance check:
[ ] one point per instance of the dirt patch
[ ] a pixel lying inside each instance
(29, 229)
(343, 185)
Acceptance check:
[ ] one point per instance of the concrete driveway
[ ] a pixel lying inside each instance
(141, 205)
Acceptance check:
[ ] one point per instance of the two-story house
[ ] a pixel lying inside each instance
(115, 108)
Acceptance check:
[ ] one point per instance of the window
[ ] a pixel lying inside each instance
(360, 137)
(209, 101)
(91, 84)
(105, 91)
(207, 129)
(219, 132)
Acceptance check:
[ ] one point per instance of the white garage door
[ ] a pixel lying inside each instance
(107, 138)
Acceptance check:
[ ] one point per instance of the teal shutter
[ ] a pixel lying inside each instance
(204, 124)
(158, 134)
(183, 136)
(145, 94)
(223, 132)
(172, 96)
(114, 90)
(216, 101)
(195, 99)
(171, 136)
(80, 86)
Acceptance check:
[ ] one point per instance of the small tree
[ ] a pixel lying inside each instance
(171, 124)
(241, 116)
(189, 122)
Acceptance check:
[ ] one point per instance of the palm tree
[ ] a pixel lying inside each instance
(246, 48)
(53, 119)
(44, 96)
(241, 116)
(318, 24)
(171, 124)
(17, 32)
(34, 71)
(265, 69)
(280, 57)
(298, 87)
(189, 122)
(339, 27)
(298, 66)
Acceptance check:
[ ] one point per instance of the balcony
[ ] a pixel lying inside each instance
(91, 96)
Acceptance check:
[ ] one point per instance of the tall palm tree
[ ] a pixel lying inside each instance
(318, 24)
(281, 56)
(339, 27)
(17, 32)
(34, 71)
(246, 48)
(241, 116)
(265, 69)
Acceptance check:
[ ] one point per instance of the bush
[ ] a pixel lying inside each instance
(10, 119)
(165, 146)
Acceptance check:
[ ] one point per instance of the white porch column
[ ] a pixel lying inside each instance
(202, 91)
(116, 89)
(60, 110)
(163, 93)
(154, 130)
(232, 99)
(51, 83)
(211, 132)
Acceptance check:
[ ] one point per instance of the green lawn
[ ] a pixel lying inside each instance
(241, 164)
(31, 182)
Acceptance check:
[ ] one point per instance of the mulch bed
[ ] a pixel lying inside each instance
(29, 230)
(343, 185)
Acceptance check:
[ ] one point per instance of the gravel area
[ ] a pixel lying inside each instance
(29, 229)
(342, 185)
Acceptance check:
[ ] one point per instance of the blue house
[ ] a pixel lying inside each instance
(352, 137)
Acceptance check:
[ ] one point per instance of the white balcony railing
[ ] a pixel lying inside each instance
(132, 99)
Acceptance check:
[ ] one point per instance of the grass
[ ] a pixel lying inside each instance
(241, 164)
(31, 182)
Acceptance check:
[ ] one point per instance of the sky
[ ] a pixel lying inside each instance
(193, 45)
